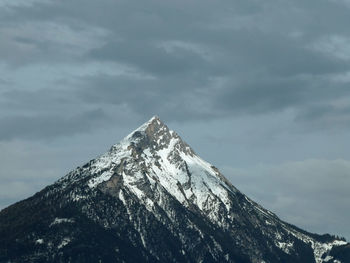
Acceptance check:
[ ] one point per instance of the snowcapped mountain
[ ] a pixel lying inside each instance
(150, 198)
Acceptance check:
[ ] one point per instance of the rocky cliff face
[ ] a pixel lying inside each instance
(150, 198)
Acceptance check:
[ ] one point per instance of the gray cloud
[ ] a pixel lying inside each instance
(323, 115)
(151, 58)
(247, 82)
(267, 54)
(302, 192)
(49, 126)
(176, 99)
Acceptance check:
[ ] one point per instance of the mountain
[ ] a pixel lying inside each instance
(150, 198)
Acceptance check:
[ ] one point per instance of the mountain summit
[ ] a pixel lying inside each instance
(151, 198)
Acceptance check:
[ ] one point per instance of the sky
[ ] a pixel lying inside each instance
(260, 89)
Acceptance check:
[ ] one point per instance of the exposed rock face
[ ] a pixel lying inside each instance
(150, 198)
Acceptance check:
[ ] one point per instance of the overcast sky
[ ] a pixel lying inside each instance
(258, 88)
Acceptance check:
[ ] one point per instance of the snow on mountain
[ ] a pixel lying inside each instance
(153, 194)
(168, 161)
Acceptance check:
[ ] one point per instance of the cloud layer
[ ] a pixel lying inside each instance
(187, 60)
(245, 82)
(307, 193)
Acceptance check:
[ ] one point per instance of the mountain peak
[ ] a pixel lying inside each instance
(154, 126)
(155, 135)
(150, 128)
(154, 121)
(152, 199)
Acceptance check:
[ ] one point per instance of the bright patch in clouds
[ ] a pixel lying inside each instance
(335, 46)
(18, 3)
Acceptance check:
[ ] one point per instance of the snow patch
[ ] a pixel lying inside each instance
(105, 176)
(64, 242)
(319, 248)
(103, 167)
(62, 220)
(77, 197)
(39, 241)
(285, 247)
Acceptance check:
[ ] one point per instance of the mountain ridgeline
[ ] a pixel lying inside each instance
(150, 198)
